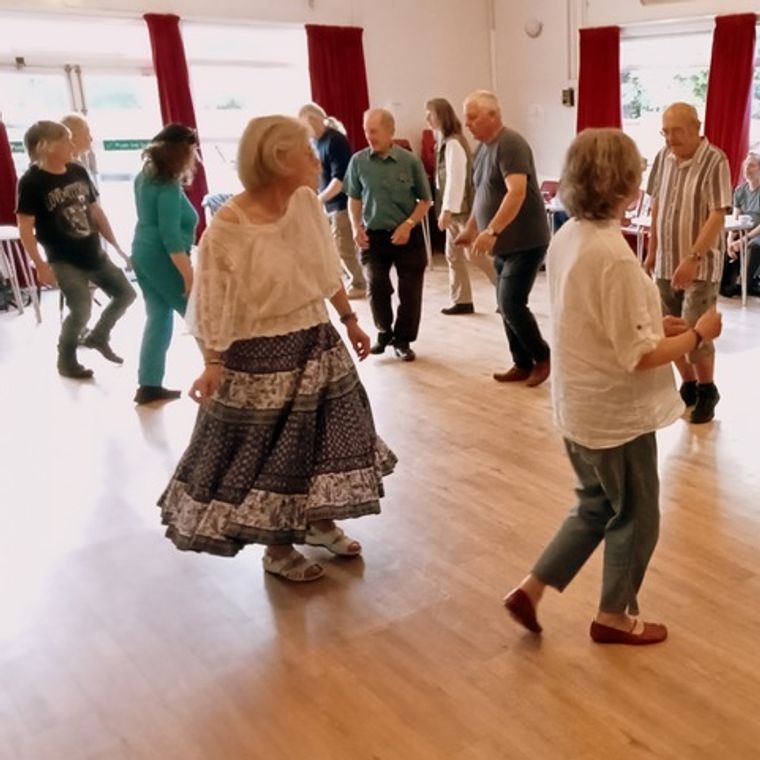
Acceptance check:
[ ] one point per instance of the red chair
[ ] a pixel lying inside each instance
(549, 189)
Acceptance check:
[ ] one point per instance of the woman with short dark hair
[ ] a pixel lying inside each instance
(164, 234)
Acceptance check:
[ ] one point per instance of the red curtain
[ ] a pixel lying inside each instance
(599, 91)
(170, 66)
(338, 76)
(8, 180)
(729, 88)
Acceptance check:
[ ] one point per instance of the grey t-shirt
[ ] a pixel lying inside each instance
(509, 153)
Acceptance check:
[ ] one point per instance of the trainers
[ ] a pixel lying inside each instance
(459, 308)
(707, 400)
(149, 393)
(102, 347)
(688, 392)
(75, 372)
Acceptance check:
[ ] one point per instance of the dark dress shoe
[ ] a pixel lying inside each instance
(146, 394)
(688, 392)
(521, 609)
(512, 375)
(103, 348)
(459, 308)
(404, 352)
(383, 341)
(653, 633)
(75, 372)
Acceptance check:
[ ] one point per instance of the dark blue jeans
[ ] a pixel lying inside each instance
(517, 273)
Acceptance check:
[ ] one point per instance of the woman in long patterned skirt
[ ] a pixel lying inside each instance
(284, 443)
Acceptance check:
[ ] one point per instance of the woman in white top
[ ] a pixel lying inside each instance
(284, 443)
(612, 388)
(453, 201)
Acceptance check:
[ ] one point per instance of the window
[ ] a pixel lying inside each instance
(238, 73)
(657, 71)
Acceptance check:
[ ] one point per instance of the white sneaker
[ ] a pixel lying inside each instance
(353, 292)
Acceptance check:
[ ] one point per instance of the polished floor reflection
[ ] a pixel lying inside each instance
(114, 645)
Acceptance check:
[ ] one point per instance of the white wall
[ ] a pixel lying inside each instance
(531, 73)
(414, 49)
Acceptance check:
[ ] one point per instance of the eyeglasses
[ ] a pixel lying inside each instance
(672, 131)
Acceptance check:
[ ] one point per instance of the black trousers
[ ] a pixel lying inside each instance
(410, 261)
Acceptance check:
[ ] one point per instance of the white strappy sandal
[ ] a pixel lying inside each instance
(294, 567)
(334, 540)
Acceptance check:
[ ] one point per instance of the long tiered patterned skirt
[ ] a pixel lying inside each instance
(287, 439)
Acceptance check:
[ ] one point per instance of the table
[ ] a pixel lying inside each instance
(13, 255)
(744, 223)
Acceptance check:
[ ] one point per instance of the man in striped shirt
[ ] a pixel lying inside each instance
(690, 187)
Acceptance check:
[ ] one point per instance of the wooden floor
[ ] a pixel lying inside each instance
(114, 645)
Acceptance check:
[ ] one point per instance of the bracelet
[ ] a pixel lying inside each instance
(695, 256)
(214, 361)
(348, 317)
(410, 221)
(700, 337)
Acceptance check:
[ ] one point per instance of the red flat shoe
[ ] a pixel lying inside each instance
(653, 633)
(521, 609)
(512, 375)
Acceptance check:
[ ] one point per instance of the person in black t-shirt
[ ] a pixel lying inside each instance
(334, 152)
(58, 207)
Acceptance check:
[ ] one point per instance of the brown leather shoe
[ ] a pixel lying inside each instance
(521, 609)
(512, 375)
(540, 373)
(653, 633)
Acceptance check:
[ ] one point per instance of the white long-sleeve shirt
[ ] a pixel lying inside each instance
(456, 176)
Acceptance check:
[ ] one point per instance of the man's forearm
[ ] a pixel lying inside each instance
(419, 211)
(104, 226)
(355, 213)
(334, 188)
(709, 232)
(506, 212)
(29, 241)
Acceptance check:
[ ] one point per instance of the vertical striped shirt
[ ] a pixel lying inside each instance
(686, 194)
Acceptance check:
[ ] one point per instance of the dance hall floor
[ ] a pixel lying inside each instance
(115, 646)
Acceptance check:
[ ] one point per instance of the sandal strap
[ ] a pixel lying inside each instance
(293, 566)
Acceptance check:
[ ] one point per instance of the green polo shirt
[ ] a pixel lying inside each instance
(388, 186)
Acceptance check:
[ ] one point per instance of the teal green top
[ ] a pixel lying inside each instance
(748, 201)
(388, 186)
(166, 219)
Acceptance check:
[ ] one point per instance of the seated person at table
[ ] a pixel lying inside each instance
(746, 202)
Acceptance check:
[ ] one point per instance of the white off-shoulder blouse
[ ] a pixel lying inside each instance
(261, 280)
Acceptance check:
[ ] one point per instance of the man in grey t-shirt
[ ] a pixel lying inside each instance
(509, 223)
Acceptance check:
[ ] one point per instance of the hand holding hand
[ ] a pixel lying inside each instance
(710, 324)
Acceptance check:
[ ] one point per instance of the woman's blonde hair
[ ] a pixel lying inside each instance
(264, 147)
(39, 136)
(317, 112)
(602, 169)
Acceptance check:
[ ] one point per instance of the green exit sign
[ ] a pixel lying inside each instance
(125, 144)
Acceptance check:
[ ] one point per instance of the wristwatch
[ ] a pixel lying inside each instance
(491, 231)
(695, 256)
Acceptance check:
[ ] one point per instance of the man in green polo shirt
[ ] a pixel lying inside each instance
(388, 196)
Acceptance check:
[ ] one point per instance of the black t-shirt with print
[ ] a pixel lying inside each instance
(60, 205)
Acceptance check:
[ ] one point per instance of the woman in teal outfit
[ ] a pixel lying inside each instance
(164, 234)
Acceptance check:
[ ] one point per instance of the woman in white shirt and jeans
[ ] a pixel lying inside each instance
(612, 388)
(453, 201)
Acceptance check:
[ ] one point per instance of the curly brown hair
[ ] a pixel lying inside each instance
(602, 169)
